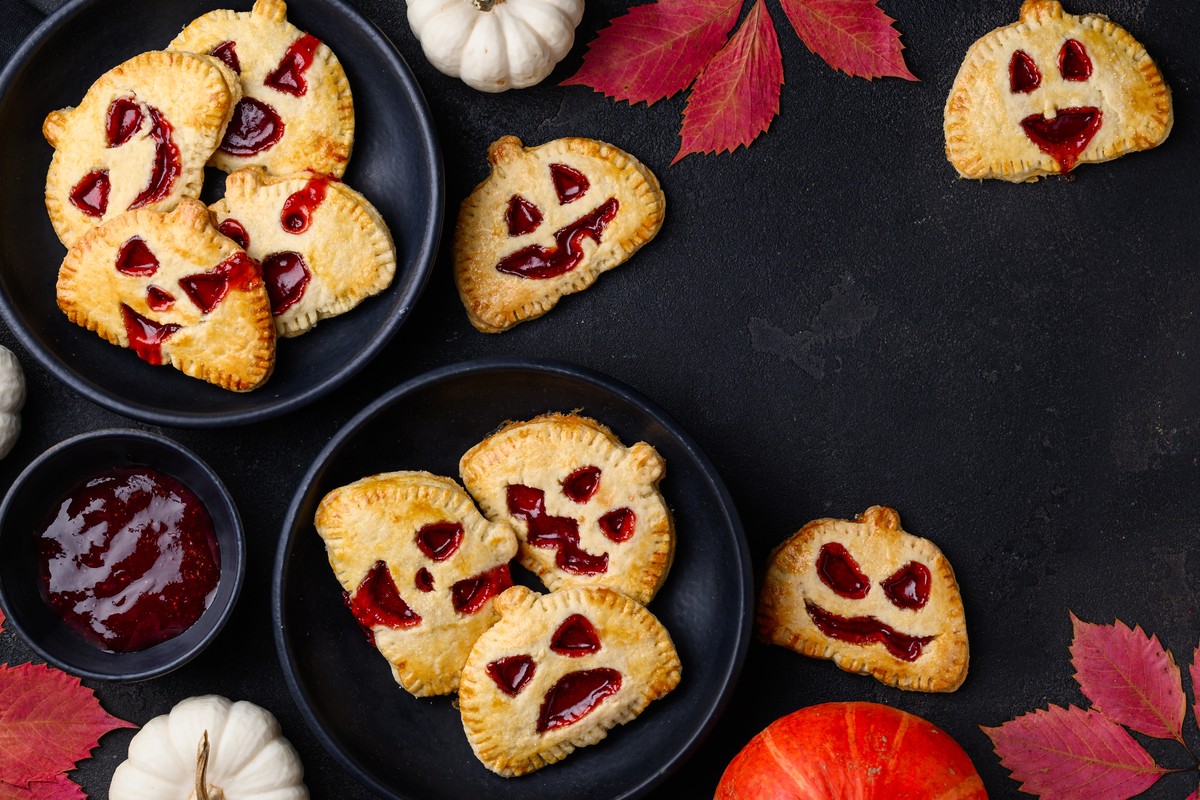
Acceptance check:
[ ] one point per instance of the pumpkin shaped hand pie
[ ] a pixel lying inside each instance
(174, 290)
(297, 111)
(420, 567)
(557, 672)
(1051, 91)
(139, 139)
(586, 509)
(323, 247)
(871, 597)
(546, 223)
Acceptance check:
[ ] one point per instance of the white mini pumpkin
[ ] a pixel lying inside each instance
(494, 45)
(12, 397)
(209, 748)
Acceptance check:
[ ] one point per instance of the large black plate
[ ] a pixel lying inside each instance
(395, 163)
(414, 748)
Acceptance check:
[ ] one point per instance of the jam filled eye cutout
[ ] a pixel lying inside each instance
(1023, 74)
(286, 275)
(135, 258)
(207, 289)
(90, 195)
(909, 586)
(471, 594)
(440, 540)
(299, 207)
(377, 601)
(424, 580)
(288, 77)
(255, 127)
(1073, 61)
(569, 184)
(581, 484)
(512, 673)
(522, 216)
(575, 637)
(124, 119)
(233, 229)
(840, 572)
(618, 525)
(227, 52)
(159, 299)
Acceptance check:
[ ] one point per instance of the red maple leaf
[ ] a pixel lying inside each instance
(1, 620)
(48, 722)
(854, 36)
(737, 95)
(61, 788)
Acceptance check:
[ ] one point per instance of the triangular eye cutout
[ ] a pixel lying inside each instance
(1023, 74)
(570, 184)
(522, 216)
(1073, 61)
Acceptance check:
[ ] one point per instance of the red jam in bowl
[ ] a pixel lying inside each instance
(128, 558)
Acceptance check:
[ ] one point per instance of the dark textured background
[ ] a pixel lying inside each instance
(838, 321)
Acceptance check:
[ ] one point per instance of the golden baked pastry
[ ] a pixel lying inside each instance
(557, 672)
(420, 567)
(174, 290)
(297, 111)
(546, 223)
(323, 247)
(1052, 91)
(138, 139)
(586, 508)
(876, 600)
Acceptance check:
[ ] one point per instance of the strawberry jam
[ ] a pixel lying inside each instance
(522, 216)
(159, 299)
(582, 484)
(286, 275)
(511, 673)
(166, 166)
(575, 696)
(299, 207)
(145, 335)
(440, 540)
(208, 289)
(227, 52)
(288, 77)
(839, 571)
(377, 601)
(618, 525)
(128, 558)
(471, 594)
(254, 127)
(236, 231)
(575, 637)
(1065, 136)
(560, 533)
(569, 184)
(538, 262)
(124, 119)
(865, 630)
(135, 258)
(90, 195)
(909, 586)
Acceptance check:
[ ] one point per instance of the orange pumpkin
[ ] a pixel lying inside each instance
(838, 751)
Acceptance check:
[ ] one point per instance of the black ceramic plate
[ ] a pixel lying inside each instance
(410, 748)
(395, 163)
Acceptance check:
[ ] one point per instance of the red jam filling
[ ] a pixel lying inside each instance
(839, 571)
(377, 601)
(1073, 61)
(864, 630)
(159, 299)
(909, 586)
(1023, 74)
(135, 258)
(299, 207)
(522, 216)
(511, 673)
(208, 289)
(440, 540)
(90, 195)
(288, 77)
(539, 263)
(569, 184)
(286, 275)
(582, 484)
(618, 525)
(166, 162)
(236, 231)
(227, 52)
(471, 594)
(575, 637)
(124, 119)
(424, 580)
(562, 533)
(575, 696)
(145, 335)
(1064, 137)
(255, 127)
(128, 558)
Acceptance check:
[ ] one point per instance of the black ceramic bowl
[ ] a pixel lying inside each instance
(30, 499)
(414, 749)
(396, 164)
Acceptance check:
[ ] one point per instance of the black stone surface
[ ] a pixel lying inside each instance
(838, 321)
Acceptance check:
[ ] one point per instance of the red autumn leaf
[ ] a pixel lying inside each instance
(656, 50)
(737, 95)
(48, 721)
(1129, 677)
(1, 620)
(61, 788)
(1194, 673)
(1194, 795)
(1072, 754)
(854, 36)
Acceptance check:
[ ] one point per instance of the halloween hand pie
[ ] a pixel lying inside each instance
(138, 139)
(420, 567)
(557, 672)
(323, 247)
(176, 291)
(1051, 91)
(546, 223)
(586, 509)
(873, 598)
(297, 111)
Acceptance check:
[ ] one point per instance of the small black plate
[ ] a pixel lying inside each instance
(415, 749)
(395, 163)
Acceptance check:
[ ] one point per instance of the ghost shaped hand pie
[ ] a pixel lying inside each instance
(139, 139)
(586, 508)
(297, 111)
(546, 223)
(173, 289)
(323, 247)
(1052, 91)
(557, 672)
(420, 567)
(875, 599)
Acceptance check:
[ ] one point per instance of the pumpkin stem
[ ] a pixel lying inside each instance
(485, 5)
(203, 791)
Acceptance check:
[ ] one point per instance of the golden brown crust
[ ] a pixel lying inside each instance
(541, 453)
(984, 137)
(881, 548)
(496, 301)
(503, 729)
